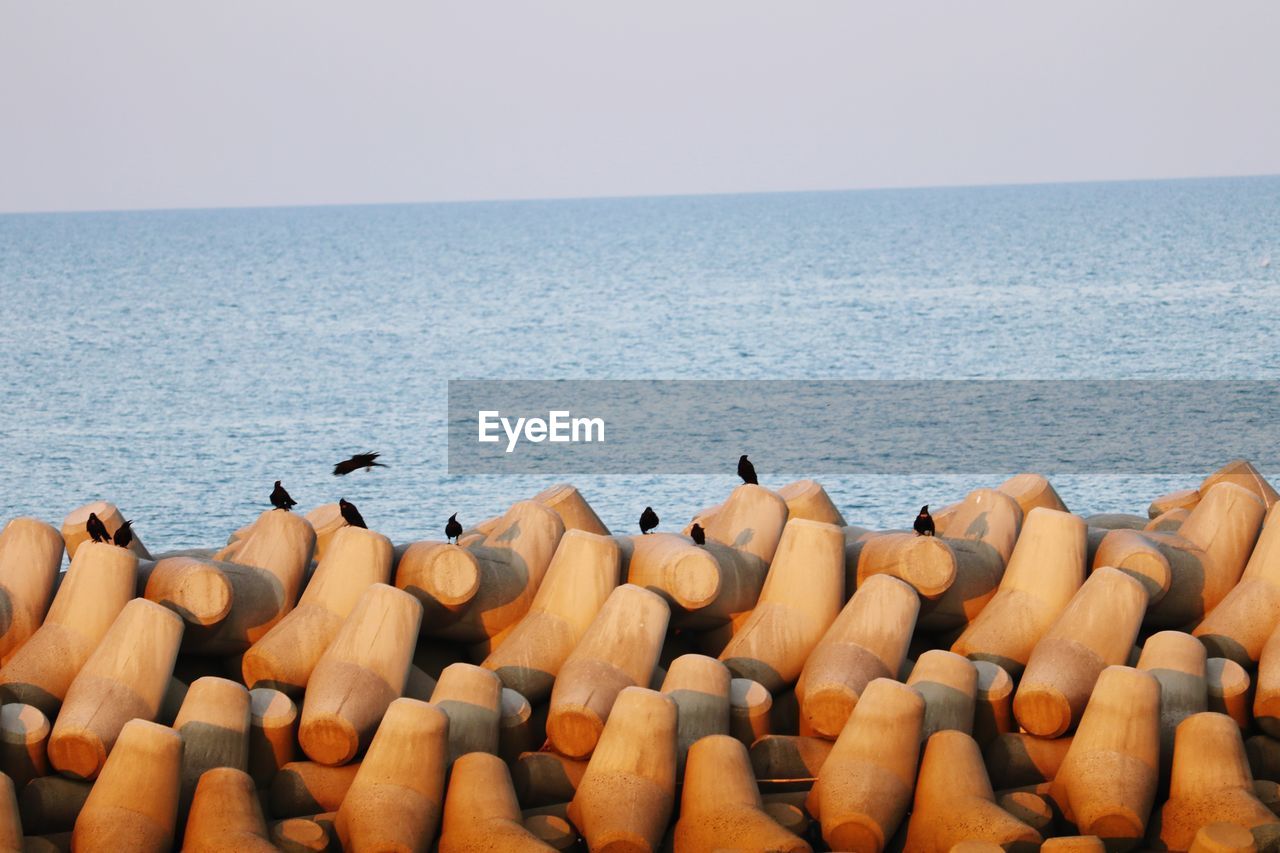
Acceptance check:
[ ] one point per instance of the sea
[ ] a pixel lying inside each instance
(178, 362)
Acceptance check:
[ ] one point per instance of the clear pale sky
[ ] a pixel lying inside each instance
(156, 103)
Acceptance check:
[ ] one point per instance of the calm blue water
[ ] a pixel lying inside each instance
(178, 362)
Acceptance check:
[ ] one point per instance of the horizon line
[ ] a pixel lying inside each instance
(637, 196)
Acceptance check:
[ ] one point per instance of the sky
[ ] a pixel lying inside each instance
(159, 104)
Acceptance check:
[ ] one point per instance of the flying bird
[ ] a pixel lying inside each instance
(699, 535)
(452, 530)
(280, 498)
(924, 522)
(648, 520)
(355, 463)
(747, 471)
(350, 514)
(96, 529)
(124, 534)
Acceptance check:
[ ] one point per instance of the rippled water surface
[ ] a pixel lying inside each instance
(178, 362)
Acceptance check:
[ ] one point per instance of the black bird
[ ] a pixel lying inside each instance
(355, 463)
(648, 520)
(699, 535)
(747, 471)
(924, 522)
(96, 529)
(452, 530)
(124, 534)
(280, 498)
(350, 514)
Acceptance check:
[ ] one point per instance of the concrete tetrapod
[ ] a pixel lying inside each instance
(867, 640)
(362, 671)
(1073, 844)
(1238, 627)
(1241, 473)
(285, 656)
(800, 599)
(582, 573)
(473, 593)
(626, 797)
(807, 499)
(325, 520)
(789, 756)
(1032, 809)
(226, 816)
(1096, 630)
(1177, 661)
(397, 796)
(312, 834)
(50, 804)
(1224, 838)
(949, 685)
(124, 679)
(1107, 783)
(264, 569)
(30, 555)
(1230, 690)
(568, 503)
(518, 729)
(925, 562)
(481, 812)
(954, 801)
(1017, 759)
(214, 725)
(471, 698)
(95, 589)
(699, 685)
(1168, 522)
(134, 804)
(1211, 782)
(721, 807)
(993, 703)
(1032, 491)
(75, 534)
(194, 588)
(752, 521)
(1046, 569)
(546, 778)
(1183, 499)
(750, 710)
(273, 733)
(706, 585)
(24, 738)
(552, 829)
(619, 650)
(1266, 701)
(10, 822)
(981, 532)
(306, 788)
(865, 785)
(1202, 561)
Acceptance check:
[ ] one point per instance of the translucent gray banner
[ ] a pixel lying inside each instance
(825, 427)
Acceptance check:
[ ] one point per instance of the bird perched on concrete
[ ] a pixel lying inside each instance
(355, 463)
(747, 471)
(280, 498)
(648, 520)
(924, 522)
(350, 514)
(698, 535)
(452, 529)
(124, 534)
(96, 529)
